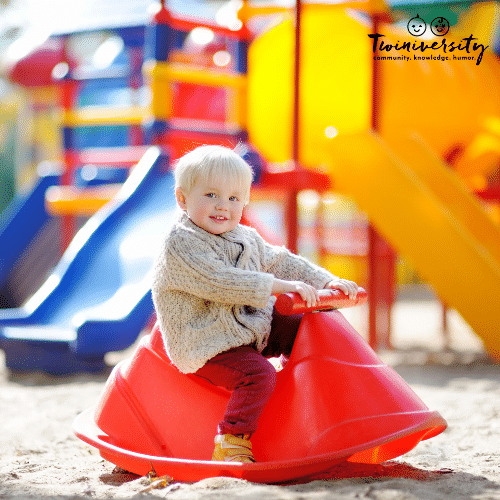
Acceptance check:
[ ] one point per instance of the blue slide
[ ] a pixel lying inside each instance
(28, 243)
(98, 297)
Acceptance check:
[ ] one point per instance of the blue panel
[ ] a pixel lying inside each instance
(100, 136)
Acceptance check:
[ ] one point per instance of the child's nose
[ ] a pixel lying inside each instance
(221, 204)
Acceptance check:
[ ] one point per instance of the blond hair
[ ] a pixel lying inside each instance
(213, 163)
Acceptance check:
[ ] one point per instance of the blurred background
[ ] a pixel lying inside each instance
(384, 171)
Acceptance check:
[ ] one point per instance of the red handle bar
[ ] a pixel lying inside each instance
(291, 303)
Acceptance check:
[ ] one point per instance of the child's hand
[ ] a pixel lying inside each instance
(307, 292)
(348, 287)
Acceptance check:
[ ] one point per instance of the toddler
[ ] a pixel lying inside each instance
(213, 291)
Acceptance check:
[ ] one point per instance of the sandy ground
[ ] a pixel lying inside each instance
(41, 458)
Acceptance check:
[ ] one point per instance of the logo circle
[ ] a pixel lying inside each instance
(416, 26)
(440, 26)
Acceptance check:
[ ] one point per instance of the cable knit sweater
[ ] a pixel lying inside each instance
(213, 292)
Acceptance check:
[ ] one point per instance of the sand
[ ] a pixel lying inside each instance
(41, 458)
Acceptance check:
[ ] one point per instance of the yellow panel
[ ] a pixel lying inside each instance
(349, 267)
(335, 82)
(270, 94)
(481, 19)
(449, 103)
(104, 116)
(68, 200)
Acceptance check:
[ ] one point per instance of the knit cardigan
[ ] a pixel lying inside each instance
(213, 292)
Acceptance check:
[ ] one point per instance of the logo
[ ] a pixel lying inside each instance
(466, 49)
(440, 26)
(416, 26)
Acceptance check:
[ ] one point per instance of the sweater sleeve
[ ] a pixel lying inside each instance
(199, 271)
(285, 265)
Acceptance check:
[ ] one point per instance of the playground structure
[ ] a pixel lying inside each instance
(393, 163)
(251, 98)
(47, 332)
(98, 298)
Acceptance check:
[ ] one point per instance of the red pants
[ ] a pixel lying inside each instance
(250, 376)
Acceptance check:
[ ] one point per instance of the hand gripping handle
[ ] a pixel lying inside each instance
(292, 303)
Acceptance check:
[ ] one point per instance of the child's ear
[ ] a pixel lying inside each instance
(181, 198)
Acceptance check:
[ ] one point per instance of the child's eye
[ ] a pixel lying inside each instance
(210, 195)
(234, 198)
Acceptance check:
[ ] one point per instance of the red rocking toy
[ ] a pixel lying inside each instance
(334, 401)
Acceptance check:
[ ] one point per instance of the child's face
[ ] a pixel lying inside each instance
(215, 207)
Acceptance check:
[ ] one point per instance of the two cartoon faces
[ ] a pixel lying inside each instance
(417, 26)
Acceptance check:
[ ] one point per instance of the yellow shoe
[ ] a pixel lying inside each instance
(230, 448)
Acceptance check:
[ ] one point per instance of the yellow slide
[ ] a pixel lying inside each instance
(426, 213)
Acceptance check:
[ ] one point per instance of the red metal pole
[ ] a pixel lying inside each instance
(372, 235)
(381, 258)
(68, 97)
(135, 134)
(375, 79)
(296, 83)
(291, 211)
